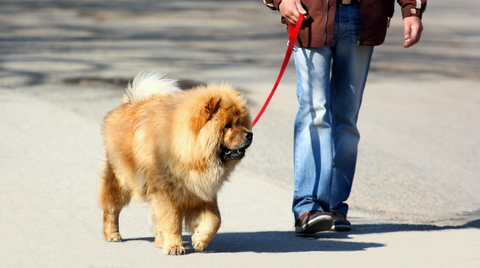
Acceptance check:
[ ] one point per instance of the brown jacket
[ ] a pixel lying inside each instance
(317, 31)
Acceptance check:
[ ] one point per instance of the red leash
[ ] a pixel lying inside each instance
(292, 36)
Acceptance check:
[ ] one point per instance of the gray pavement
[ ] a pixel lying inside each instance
(63, 65)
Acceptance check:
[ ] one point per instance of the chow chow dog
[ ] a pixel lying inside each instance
(174, 149)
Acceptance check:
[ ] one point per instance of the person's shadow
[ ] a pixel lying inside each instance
(287, 241)
(283, 242)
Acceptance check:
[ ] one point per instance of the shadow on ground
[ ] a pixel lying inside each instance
(288, 242)
(272, 242)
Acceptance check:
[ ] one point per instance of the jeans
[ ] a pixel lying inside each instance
(330, 83)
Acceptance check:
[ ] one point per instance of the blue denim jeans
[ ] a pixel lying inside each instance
(330, 83)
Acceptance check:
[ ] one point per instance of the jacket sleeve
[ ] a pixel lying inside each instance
(272, 4)
(412, 7)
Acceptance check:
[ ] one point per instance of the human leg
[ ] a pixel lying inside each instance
(312, 141)
(349, 74)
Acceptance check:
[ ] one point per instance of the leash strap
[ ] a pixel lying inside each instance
(292, 36)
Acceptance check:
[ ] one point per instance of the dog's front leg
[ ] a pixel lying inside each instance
(168, 226)
(207, 224)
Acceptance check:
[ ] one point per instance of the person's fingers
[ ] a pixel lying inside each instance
(291, 19)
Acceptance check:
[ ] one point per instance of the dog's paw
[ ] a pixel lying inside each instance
(174, 250)
(199, 246)
(113, 237)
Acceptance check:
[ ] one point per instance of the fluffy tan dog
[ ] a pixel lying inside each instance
(173, 149)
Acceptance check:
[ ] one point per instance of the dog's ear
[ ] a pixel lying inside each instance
(205, 113)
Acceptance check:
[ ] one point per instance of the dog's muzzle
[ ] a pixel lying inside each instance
(237, 154)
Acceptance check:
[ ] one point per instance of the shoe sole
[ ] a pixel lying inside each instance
(341, 228)
(319, 224)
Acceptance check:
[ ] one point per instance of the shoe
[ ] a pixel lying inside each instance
(314, 221)
(340, 222)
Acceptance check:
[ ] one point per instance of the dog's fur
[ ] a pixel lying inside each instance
(173, 149)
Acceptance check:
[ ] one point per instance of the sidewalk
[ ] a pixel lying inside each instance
(50, 160)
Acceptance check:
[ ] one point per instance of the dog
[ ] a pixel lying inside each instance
(174, 149)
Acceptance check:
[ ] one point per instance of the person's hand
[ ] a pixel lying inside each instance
(290, 10)
(412, 30)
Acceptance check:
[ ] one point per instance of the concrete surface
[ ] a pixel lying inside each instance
(63, 66)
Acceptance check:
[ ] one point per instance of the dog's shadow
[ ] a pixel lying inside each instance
(288, 242)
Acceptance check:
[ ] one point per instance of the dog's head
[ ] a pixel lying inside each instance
(224, 122)
(236, 138)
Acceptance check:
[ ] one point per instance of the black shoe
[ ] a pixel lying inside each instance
(340, 222)
(314, 221)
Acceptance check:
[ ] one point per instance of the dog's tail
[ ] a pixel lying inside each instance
(147, 84)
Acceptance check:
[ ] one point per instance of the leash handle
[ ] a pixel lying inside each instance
(292, 36)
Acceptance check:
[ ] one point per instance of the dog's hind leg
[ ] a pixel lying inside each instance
(204, 224)
(112, 199)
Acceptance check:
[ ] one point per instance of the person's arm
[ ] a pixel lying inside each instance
(412, 11)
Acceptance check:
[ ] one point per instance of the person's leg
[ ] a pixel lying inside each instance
(313, 133)
(349, 74)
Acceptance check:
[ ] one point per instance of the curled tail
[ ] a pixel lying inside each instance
(147, 84)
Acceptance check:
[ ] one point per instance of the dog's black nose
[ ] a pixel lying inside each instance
(248, 135)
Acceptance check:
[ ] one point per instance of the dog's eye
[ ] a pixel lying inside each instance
(229, 125)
